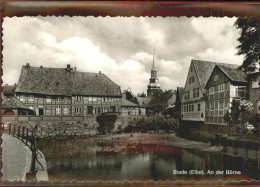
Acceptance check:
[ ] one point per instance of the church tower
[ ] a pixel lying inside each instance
(154, 81)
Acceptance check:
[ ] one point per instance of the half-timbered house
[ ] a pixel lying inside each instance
(66, 93)
(224, 85)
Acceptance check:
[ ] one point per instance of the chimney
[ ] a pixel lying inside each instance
(68, 67)
(27, 65)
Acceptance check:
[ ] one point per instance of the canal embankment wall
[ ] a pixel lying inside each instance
(61, 129)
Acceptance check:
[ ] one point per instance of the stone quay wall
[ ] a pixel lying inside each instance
(66, 129)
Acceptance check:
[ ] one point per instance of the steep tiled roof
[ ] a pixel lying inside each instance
(172, 99)
(205, 68)
(143, 101)
(60, 81)
(9, 89)
(13, 103)
(233, 73)
(125, 102)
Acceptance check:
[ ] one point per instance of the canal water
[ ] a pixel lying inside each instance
(92, 159)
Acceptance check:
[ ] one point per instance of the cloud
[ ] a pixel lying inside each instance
(120, 47)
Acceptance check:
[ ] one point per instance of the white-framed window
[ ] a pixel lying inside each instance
(78, 98)
(22, 97)
(241, 91)
(65, 110)
(216, 105)
(192, 108)
(78, 110)
(187, 95)
(221, 87)
(215, 78)
(31, 98)
(195, 92)
(48, 110)
(58, 99)
(48, 99)
(58, 110)
(94, 99)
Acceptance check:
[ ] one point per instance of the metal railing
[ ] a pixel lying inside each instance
(29, 138)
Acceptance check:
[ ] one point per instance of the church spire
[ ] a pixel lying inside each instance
(153, 67)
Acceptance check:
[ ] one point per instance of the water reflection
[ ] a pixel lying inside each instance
(90, 159)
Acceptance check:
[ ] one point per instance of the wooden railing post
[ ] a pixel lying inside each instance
(32, 140)
(23, 135)
(18, 131)
(9, 128)
(26, 136)
(14, 131)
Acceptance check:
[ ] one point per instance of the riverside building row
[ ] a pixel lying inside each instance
(67, 94)
(208, 93)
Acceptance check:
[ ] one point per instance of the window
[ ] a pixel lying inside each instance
(90, 110)
(198, 107)
(78, 98)
(241, 91)
(195, 92)
(221, 87)
(58, 110)
(78, 110)
(192, 108)
(65, 110)
(216, 105)
(191, 80)
(58, 99)
(221, 104)
(215, 78)
(187, 95)
(94, 99)
(31, 98)
(211, 105)
(30, 107)
(22, 97)
(48, 99)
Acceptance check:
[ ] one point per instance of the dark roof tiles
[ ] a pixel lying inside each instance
(60, 81)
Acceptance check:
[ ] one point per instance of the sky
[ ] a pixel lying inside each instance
(120, 47)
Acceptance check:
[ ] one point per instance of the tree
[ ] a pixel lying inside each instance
(238, 115)
(249, 41)
(106, 123)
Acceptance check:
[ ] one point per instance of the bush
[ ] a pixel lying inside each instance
(106, 123)
(154, 123)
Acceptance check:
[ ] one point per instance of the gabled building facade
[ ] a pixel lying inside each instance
(67, 93)
(224, 85)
